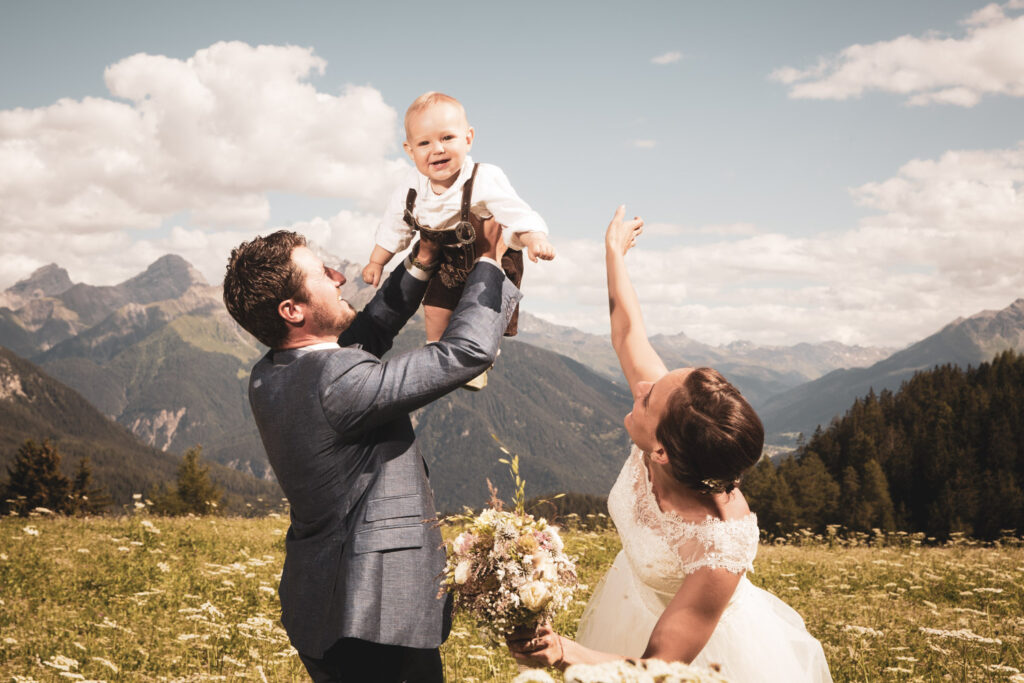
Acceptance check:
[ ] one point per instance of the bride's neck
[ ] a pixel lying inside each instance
(674, 496)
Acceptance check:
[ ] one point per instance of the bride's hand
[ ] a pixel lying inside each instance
(542, 647)
(621, 235)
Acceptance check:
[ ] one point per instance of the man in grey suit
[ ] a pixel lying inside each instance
(359, 591)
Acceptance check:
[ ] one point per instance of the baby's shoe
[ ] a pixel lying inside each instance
(480, 381)
(477, 383)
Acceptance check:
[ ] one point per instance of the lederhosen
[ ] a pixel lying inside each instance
(458, 254)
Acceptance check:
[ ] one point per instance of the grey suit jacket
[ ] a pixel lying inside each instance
(364, 554)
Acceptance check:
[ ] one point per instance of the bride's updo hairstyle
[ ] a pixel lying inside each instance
(710, 433)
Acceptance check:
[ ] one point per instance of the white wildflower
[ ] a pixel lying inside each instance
(533, 676)
(961, 634)
(163, 566)
(107, 663)
(62, 663)
(149, 527)
(30, 531)
(211, 610)
(462, 571)
(862, 630)
(1002, 668)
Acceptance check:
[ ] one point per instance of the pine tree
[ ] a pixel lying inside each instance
(87, 499)
(194, 494)
(815, 491)
(768, 495)
(876, 500)
(35, 480)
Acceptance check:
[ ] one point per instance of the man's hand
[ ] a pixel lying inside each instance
(488, 240)
(537, 245)
(427, 252)
(372, 273)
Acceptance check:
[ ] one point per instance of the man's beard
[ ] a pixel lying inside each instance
(335, 320)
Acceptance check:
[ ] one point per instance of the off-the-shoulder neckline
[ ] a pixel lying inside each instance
(675, 516)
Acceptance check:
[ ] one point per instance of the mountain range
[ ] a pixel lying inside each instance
(35, 406)
(159, 354)
(963, 342)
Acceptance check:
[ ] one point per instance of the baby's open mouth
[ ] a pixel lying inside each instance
(440, 162)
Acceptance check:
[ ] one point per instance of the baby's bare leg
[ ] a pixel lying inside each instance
(436, 320)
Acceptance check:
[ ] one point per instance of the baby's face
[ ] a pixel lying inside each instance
(438, 139)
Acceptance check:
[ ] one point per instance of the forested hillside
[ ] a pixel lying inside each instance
(943, 454)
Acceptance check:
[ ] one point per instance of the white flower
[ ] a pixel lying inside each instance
(534, 676)
(462, 571)
(546, 570)
(535, 595)
(556, 540)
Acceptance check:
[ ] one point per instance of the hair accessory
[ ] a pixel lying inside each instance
(718, 485)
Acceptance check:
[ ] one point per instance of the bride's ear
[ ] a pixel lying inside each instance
(659, 455)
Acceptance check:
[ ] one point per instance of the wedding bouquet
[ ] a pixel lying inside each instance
(509, 569)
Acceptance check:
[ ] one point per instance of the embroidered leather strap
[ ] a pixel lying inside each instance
(458, 241)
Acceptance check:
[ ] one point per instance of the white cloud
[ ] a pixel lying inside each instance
(644, 144)
(723, 229)
(667, 58)
(210, 135)
(946, 242)
(987, 60)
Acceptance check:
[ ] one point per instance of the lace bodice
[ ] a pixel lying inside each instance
(662, 547)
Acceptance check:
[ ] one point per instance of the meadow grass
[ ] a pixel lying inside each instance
(194, 599)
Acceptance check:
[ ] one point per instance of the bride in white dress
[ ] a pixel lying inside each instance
(678, 590)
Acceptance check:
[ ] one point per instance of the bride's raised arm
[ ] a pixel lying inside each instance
(639, 361)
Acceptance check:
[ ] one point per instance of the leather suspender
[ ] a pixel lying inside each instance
(459, 241)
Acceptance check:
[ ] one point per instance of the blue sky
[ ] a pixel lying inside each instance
(807, 170)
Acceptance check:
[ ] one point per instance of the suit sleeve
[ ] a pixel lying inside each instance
(374, 328)
(358, 391)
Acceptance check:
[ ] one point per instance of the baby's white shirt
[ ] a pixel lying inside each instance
(493, 195)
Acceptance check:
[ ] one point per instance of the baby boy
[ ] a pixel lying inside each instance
(445, 199)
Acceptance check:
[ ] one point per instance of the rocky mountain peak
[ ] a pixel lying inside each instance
(50, 280)
(168, 277)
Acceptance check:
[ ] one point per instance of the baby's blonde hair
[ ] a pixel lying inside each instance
(429, 99)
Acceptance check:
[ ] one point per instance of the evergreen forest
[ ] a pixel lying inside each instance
(943, 455)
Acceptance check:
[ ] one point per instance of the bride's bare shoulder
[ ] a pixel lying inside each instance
(732, 505)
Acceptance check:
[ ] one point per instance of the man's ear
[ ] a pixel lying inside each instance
(292, 311)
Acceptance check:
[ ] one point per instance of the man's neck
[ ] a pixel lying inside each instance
(304, 341)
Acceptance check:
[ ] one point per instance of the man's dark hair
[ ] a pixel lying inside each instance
(260, 275)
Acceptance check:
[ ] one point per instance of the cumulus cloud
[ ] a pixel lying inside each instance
(667, 58)
(988, 59)
(945, 241)
(206, 138)
(722, 229)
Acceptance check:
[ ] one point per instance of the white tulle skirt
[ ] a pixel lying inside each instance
(759, 637)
